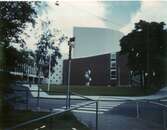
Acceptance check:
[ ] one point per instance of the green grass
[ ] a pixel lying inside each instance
(10, 117)
(66, 121)
(101, 90)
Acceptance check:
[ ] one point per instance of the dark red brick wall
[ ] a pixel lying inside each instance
(99, 66)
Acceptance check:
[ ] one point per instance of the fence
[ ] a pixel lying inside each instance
(46, 121)
(152, 112)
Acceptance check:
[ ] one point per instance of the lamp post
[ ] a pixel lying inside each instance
(148, 55)
(72, 39)
(49, 71)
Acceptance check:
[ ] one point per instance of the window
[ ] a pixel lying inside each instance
(113, 59)
(113, 73)
(113, 56)
(113, 77)
(113, 64)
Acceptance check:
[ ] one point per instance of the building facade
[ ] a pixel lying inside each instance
(57, 76)
(95, 60)
(98, 66)
(108, 69)
(91, 41)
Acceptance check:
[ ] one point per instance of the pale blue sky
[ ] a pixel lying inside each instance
(118, 15)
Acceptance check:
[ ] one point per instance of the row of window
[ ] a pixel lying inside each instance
(57, 81)
(55, 77)
(113, 75)
(113, 57)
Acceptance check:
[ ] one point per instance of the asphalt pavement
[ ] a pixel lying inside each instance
(113, 115)
(162, 93)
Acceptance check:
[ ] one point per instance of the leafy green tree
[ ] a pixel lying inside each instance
(13, 19)
(47, 52)
(146, 47)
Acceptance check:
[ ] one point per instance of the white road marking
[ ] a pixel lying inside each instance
(81, 111)
(90, 108)
(103, 107)
(163, 100)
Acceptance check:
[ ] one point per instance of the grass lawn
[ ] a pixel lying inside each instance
(100, 90)
(66, 121)
(10, 118)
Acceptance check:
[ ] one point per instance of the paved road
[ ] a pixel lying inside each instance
(114, 115)
(123, 116)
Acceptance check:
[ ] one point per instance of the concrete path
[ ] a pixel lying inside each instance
(102, 107)
(108, 120)
(116, 122)
(124, 117)
(159, 95)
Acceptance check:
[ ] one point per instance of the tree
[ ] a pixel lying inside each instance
(47, 50)
(146, 47)
(13, 19)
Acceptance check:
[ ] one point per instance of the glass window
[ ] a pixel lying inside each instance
(113, 56)
(113, 73)
(113, 64)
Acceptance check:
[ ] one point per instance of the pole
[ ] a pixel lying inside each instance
(148, 57)
(69, 71)
(96, 115)
(119, 83)
(69, 104)
(49, 72)
(137, 110)
(38, 97)
(27, 102)
(68, 85)
(164, 119)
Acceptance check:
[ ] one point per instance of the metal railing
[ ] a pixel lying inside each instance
(142, 109)
(22, 71)
(150, 111)
(52, 114)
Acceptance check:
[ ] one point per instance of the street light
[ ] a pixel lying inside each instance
(148, 55)
(49, 72)
(70, 41)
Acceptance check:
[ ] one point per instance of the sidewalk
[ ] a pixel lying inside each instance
(116, 122)
(159, 95)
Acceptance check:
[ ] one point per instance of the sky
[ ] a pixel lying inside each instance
(117, 15)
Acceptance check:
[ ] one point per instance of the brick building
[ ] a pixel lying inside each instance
(107, 69)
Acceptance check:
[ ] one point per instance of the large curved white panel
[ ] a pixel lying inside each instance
(95, 41)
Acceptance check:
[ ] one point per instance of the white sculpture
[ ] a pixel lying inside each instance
(88, 77)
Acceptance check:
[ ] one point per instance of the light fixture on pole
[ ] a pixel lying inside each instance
(70, 41)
